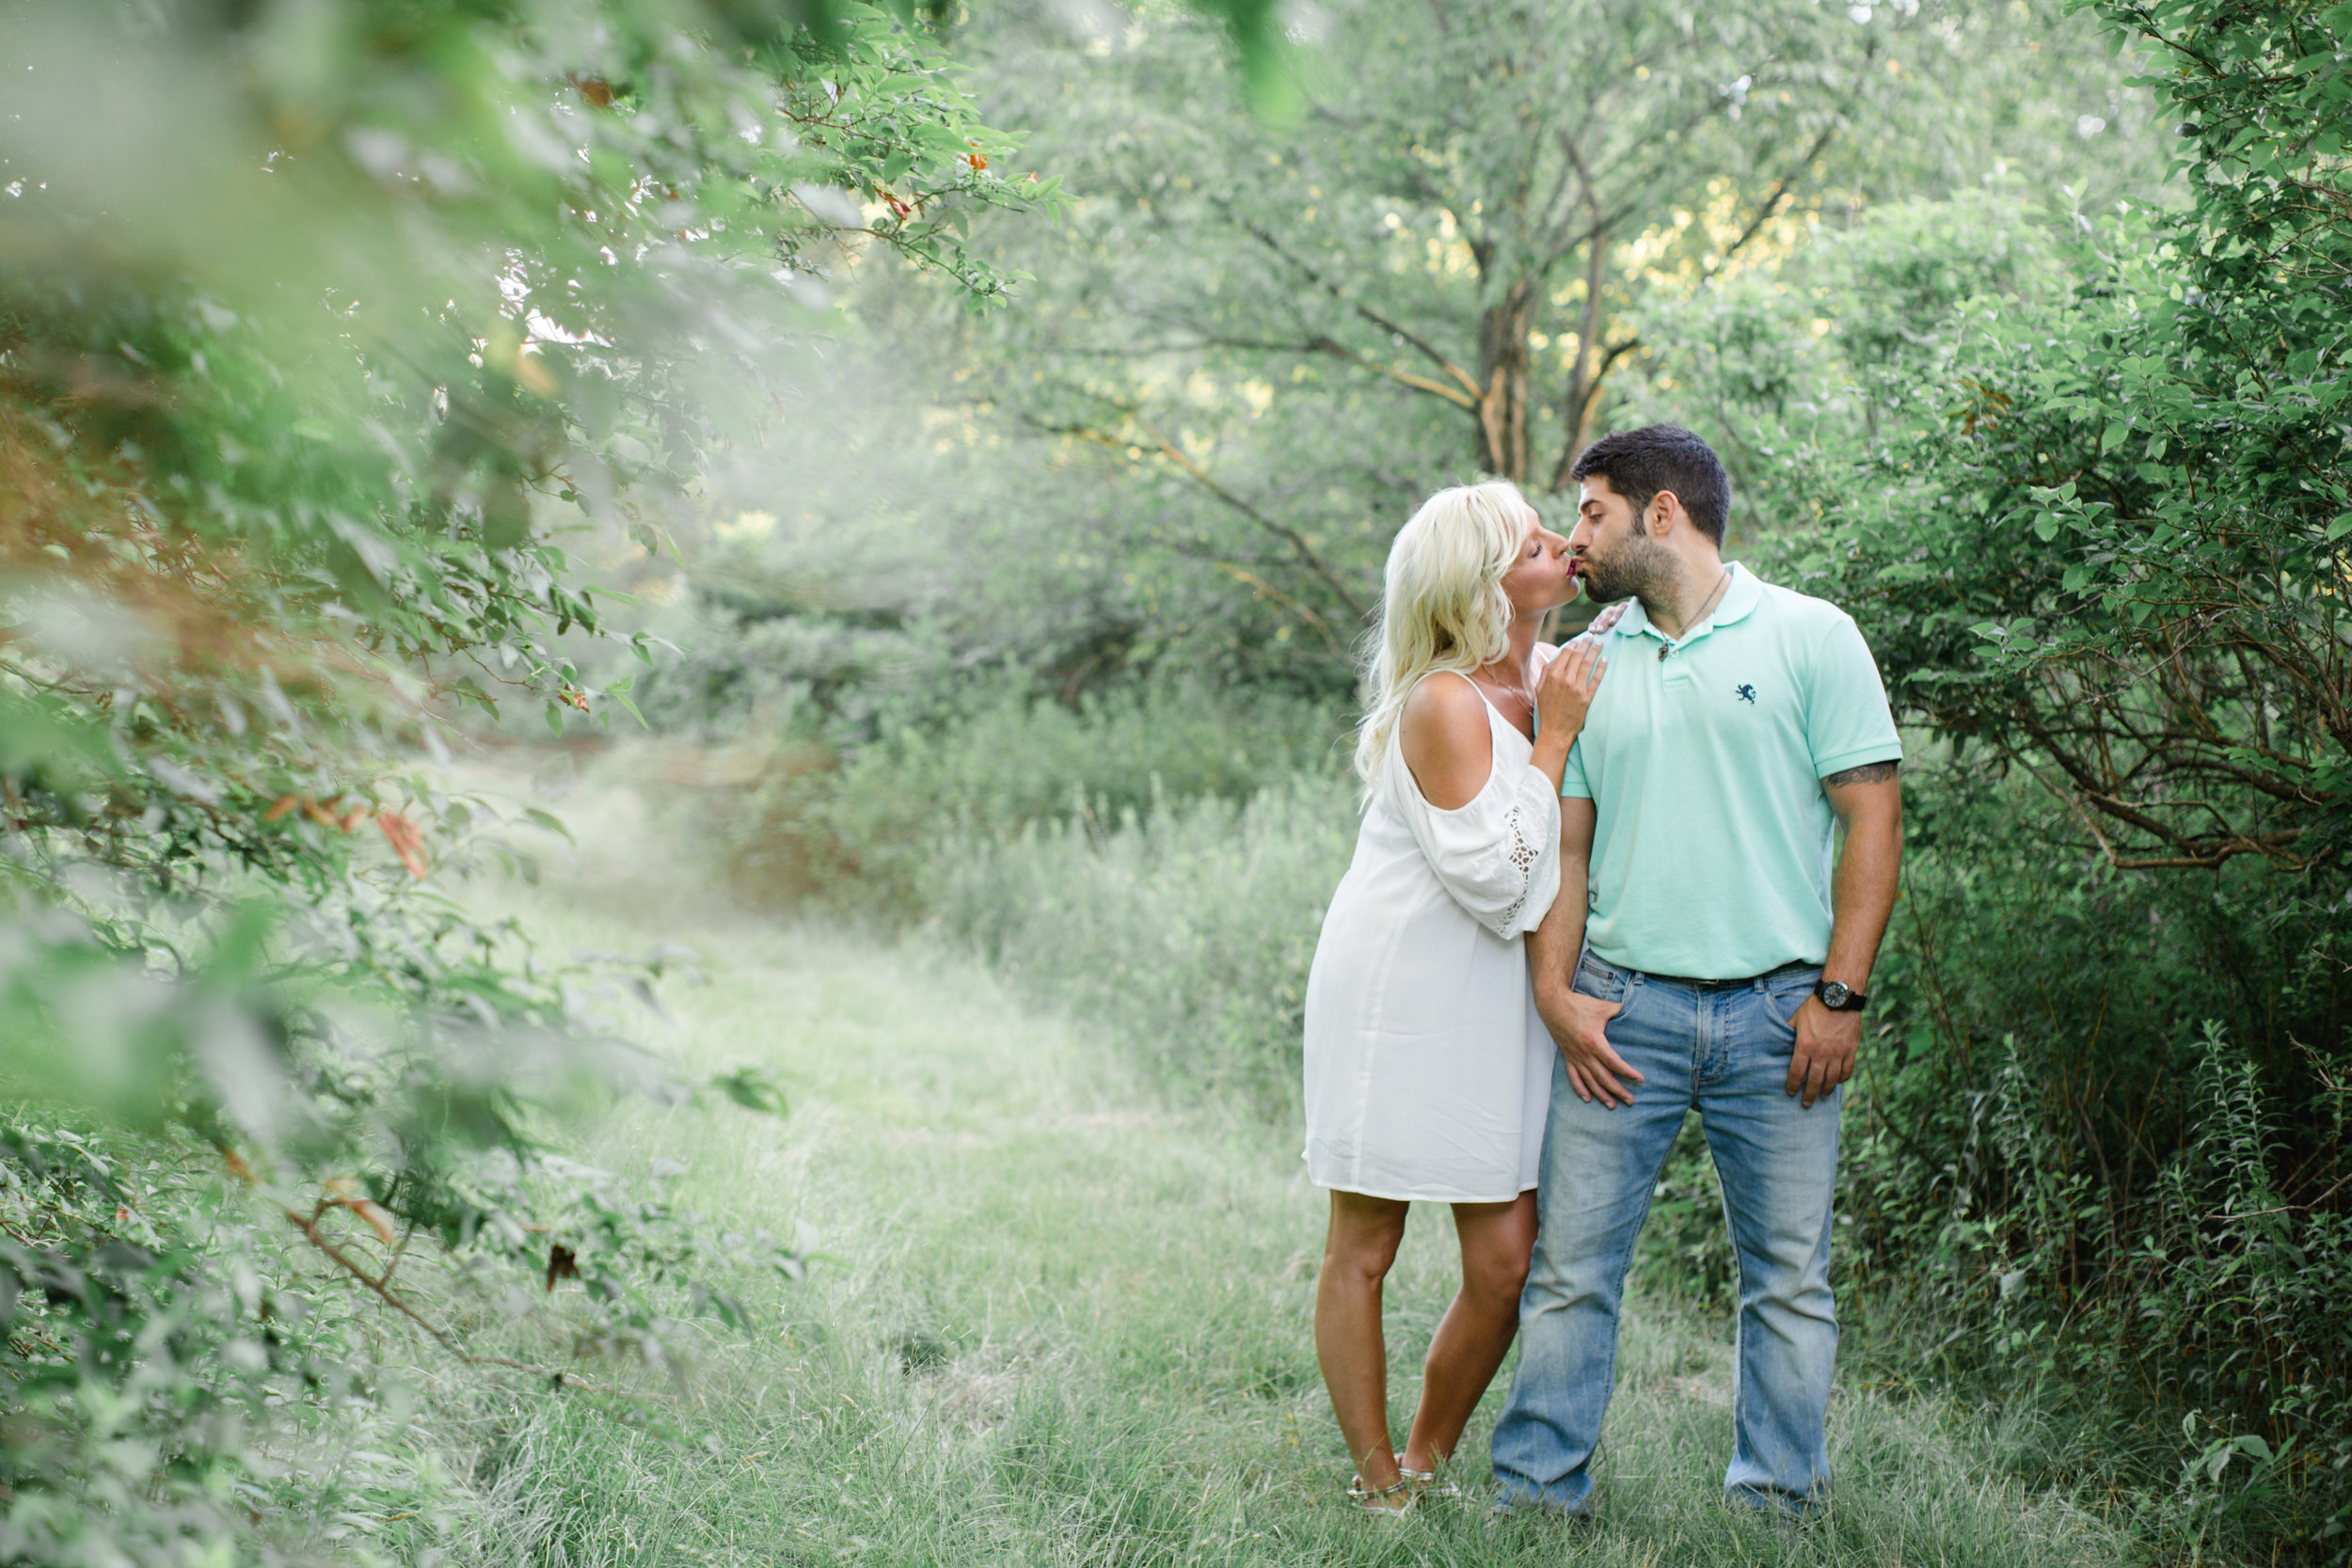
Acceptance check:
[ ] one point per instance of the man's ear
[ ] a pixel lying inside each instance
(1665, 507)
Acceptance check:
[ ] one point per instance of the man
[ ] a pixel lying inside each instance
(1701, 953)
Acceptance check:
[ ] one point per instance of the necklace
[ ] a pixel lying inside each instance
(1496, 692)
(1721, 583)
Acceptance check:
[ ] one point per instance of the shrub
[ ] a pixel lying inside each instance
(871, 826)
(1186, 928)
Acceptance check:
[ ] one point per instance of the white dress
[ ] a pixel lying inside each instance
(1428, 1069)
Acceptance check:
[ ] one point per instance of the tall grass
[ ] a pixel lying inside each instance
(864, 824)
(2094, 1151)
(1185, 929)
(1065, 1321)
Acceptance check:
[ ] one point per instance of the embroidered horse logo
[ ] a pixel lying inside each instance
(1746, 694)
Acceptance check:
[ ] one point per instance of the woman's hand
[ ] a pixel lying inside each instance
(1563, 694)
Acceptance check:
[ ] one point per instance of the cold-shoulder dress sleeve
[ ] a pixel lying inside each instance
(1497, 857)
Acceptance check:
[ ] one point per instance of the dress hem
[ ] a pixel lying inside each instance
(1422, 1198)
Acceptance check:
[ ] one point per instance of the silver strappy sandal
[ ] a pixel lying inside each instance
(1375, 1499)
(1425, 1482)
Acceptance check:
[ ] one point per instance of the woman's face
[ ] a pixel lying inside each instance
(1544, 575)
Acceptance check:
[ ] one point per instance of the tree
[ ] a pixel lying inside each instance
(1442, 267)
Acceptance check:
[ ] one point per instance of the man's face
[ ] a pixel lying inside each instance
(1614, 555)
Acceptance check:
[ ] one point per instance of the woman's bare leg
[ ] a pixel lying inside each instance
(1476, 1332)
(1357, 1252)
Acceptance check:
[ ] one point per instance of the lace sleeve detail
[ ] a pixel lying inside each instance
(1523, 856)
(1499, 856)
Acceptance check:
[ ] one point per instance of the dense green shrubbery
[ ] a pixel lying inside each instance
(1187, 926)
(876, 825)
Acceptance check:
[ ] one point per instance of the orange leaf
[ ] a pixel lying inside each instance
(406, 839)
(280, 806)
(378, 1221)
(343, 1193)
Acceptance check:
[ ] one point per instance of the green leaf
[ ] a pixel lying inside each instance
(2342, 526)
(754, 1088)
(548, 821)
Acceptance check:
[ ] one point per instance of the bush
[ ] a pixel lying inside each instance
(871, 826)
(1187, 928)
(2098, 1143)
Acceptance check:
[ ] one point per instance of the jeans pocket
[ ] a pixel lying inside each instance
(1782, 998)
(1601, 981)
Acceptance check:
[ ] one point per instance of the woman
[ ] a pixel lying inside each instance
(1428, 1071)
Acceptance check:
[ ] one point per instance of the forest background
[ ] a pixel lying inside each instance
(982, 429)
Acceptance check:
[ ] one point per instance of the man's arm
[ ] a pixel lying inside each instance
(1577, 1023)
(1870, 804)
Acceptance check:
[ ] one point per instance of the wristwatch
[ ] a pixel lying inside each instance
(1839, 997)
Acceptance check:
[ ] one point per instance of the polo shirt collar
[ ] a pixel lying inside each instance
(1741, 597)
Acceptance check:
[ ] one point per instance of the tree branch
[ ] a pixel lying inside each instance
(1462, 377)
(1192, 469)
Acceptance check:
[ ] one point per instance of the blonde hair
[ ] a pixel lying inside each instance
(1443, 607)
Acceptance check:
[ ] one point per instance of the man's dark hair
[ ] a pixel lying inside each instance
(1639, 463)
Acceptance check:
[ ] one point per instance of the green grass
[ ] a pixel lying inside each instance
(1062, 1321)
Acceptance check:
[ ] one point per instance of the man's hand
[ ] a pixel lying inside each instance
(1578, 1025)
(1826, 1044)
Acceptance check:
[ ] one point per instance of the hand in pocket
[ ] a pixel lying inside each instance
(1579, 1027)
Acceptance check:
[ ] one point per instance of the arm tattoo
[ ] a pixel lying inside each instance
(1869, 773)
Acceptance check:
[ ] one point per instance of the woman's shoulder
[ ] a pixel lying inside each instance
(1447, 740)
(1444, 703)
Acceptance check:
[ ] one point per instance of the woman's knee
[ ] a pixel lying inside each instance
(1363, 1238)
(1363, 1257)
(1496, 1274)
(1498, 1241)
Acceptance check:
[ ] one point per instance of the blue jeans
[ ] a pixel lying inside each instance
(1726, 1052)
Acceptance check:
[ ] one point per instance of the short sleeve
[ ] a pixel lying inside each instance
(1846, 721)
(1573, 784)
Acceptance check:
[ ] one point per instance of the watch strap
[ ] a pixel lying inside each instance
(1855, 1001)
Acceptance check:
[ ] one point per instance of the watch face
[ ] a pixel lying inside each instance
(1834, 994)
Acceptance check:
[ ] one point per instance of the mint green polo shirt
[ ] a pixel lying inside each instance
(1711, 838)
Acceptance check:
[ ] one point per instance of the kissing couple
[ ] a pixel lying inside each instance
(1594, 891)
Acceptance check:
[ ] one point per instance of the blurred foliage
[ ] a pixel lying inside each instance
(323, 326)
(867, 825)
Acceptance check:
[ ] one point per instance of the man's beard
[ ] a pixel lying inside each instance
(1643, 569)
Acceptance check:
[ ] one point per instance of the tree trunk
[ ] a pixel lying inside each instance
(1583, 400)
(1502, 411)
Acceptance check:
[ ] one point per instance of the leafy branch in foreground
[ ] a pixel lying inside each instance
(319, 329)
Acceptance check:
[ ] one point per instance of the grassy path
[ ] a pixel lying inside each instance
(1063, 1323)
